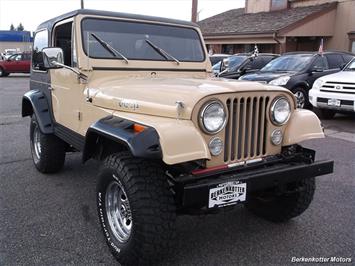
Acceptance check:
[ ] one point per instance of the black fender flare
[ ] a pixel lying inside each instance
(34, 101)
(143, 144)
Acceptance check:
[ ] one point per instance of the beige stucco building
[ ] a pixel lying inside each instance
(283, 26)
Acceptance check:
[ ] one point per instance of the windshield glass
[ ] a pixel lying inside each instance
(288, 63)
(350, 66)
(130, 39)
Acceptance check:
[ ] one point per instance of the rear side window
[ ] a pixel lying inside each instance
(257, 63)
(334, 60)
(40, 42)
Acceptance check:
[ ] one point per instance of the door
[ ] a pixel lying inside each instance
(67, 92)
(14, 63)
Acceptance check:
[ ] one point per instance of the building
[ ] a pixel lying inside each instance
(279, 26)
(20, 40)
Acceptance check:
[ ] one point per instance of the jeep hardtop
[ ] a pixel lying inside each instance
(138, 94)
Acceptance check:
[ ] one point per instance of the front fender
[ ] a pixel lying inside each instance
(34, 101)
(303, 125)
(178, 140)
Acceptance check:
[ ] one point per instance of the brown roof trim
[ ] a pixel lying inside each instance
(247, 34)
(307, 19)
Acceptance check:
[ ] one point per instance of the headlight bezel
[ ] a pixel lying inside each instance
(272, 111)
(201, 117)
(280, 81)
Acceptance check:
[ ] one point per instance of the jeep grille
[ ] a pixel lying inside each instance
(245, 133)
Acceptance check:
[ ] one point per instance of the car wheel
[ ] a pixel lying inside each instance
(301, 97)
(326, 114)
(136, 209)
(2, 72)
(282, 207)
(48, 151)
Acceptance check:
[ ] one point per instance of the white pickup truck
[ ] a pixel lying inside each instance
(335, 93)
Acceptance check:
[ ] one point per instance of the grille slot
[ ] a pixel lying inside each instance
(245, 134)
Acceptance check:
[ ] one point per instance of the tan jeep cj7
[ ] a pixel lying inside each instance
(137, 93)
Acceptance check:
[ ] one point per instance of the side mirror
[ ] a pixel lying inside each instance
(317, 69)
(53, 57)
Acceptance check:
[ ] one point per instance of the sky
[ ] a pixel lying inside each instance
(32, 12)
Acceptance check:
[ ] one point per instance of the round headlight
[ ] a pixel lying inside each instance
(280, 111)
(213, 117)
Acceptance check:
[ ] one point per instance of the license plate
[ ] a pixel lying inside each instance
(226, 194)
(333, 102)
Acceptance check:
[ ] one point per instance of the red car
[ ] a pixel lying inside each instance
(17, 63)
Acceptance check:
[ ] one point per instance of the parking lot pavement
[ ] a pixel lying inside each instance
(51, 219)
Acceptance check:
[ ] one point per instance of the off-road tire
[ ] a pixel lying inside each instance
(284, 207)
(152, 209)
(303, 93)
(326, 114)
(52, 149)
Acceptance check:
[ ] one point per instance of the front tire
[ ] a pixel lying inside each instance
(285, 206)
(2, 73)
(136, 209)
(301, 97)
(47, 150)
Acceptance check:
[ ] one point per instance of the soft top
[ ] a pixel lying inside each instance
(49, 23)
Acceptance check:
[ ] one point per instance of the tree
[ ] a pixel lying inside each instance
(20, 27)
(12, 27)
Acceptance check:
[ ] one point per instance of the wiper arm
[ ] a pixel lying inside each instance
(108, 47)
(162, 52)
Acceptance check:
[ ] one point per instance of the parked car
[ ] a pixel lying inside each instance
(334, 93)
(237, 65)
(297, 71)
(17, 63)
(139, 98)
(215, 68)
(215, 58)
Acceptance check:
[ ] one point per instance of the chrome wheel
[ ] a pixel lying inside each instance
(37, 142)
(300, 98)
(118, 211)
(1, 72)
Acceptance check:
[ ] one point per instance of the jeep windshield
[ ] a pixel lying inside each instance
(288, 63)
(134, 39)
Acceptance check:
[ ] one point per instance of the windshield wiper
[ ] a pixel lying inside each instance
(162, 52)
(108, 47)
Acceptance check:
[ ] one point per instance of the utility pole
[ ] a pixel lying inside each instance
(82, 4)
(194, 11)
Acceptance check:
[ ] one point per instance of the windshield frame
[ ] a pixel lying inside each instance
(305, 68)
(83, 38)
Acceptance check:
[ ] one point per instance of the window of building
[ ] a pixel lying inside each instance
(40, 42)
(278, 4)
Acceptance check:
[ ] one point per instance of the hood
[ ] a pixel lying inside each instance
(159, 96)
(342, 76)
(266, 76)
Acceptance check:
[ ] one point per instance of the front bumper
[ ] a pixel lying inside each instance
(193, 191)
(320, 99)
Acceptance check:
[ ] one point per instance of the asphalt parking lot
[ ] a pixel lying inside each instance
(51, 219)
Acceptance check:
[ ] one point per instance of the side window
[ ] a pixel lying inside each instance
(334, 60)
(40, 42)
(63, 39)
(320, 62)
(18, 57)
(257, 63)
